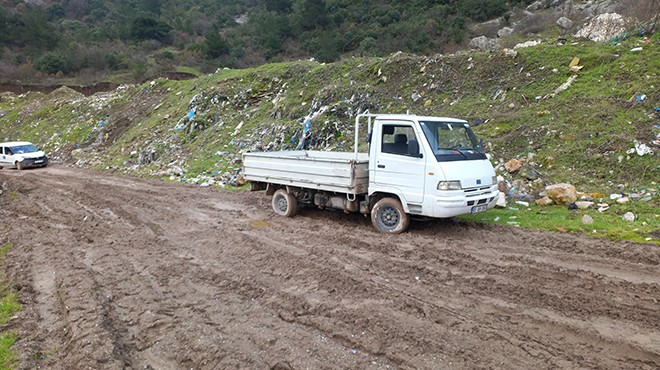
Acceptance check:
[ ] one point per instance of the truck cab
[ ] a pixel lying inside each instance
(434, 166)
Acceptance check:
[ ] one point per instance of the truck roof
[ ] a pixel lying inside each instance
(416, 117)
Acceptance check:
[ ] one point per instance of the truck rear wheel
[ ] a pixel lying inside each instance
(388, 216)
(285, 204)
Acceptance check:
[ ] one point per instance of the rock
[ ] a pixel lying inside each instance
(501, 201)
(77, 153)
(529, 172)
(545, 201)
(603, 27)
(562, 193)
(503, 186)
(510, 53)
(506, 31)
(587, 220)
(584, 204)
(565, 23)
(513, 165)
(629, 216)
(535, 6)
(483, 43)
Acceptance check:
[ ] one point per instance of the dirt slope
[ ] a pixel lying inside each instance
(120, 272)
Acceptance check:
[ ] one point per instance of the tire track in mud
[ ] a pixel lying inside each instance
(170, 276)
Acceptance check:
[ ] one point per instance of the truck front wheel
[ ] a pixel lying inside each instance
(388, 216)
(285, 204)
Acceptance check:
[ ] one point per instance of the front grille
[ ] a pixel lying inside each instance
(477, 192)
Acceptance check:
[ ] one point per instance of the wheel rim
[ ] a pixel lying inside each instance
(281, 204)
(389, 217)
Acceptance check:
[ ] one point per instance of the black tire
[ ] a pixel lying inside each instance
(388, 216)
(285, 204)
(19, 166)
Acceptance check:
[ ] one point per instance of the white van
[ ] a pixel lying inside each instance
(21, 154)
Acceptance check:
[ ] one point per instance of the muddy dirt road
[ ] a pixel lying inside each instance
(117, 272)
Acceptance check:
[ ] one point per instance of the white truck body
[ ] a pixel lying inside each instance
(410, 162)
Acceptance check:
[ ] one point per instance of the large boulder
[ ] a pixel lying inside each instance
(565, 23)
(483, 43)
(603, 27)
(562, 193)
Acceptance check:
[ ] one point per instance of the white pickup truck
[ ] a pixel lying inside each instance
(415, 167)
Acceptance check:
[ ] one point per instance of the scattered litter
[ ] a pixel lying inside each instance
(642, 149)
(616, 196)
(526, 204)
(527, 44)
(572, 206)
(636, 49)
(641, 97)
(512, 223)
(629, 216)
(562, 87)
(497, 218)
(573, 65)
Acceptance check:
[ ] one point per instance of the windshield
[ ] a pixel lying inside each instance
(22, 149)
(452, 141)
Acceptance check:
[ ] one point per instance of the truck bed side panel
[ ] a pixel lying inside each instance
(330, 171)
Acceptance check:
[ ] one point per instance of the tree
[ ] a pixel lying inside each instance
(314, 15)
(280, 6)
(145, 27)
(328, 50)
(215, 45)
(50, 63)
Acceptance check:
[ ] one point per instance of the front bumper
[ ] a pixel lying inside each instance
(461, 202)
(35, 162)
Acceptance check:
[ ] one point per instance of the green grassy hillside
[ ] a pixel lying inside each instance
(583, 134)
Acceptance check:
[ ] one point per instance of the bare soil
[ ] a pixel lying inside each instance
(120, 272)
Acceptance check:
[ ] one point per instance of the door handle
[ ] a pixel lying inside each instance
(381, 166)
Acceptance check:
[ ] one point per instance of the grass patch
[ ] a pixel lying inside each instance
(9, 306)
(608, 224)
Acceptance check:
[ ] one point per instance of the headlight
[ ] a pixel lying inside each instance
(449, 185)
(494, 180)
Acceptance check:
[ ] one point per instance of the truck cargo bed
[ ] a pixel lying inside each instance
(330, 171)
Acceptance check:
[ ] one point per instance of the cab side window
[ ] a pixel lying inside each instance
(399, 139)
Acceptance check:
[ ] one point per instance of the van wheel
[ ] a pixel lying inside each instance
(388, 216)
(285, 204)
(19, 166)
